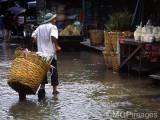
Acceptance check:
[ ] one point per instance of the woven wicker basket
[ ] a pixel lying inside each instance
(107, 37)
(114, 42)
(114, 35)
(111, 40)
(109, 47)
(115, 61)
(108, 59)
(96, 37)
(27, 73)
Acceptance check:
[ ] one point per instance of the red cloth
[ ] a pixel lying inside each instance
(8, 20)
(80, 17)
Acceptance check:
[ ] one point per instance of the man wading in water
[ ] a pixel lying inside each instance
(45, 37)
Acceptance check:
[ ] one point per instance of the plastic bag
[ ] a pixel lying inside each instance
(144, 31)
(148, 38)
(137, 33)
(148, 35)
(77, 24)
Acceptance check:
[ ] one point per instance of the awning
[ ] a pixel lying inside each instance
(3, 0)
(16, 10)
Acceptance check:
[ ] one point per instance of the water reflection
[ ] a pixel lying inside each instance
(88, 90)
(26, 108)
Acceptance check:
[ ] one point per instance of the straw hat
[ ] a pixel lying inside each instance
(48, 17)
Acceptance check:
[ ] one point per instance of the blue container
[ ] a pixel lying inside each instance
(60, 25)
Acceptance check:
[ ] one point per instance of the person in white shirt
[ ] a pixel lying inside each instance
(45, 36)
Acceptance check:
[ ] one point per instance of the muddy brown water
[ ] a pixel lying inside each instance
(88, 91)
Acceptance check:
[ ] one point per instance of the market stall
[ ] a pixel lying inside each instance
(69, 20)
(140, 52)
(116, 28)
(138, 55)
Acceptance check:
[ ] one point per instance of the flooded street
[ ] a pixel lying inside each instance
(88, 91)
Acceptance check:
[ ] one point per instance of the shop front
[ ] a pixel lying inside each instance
(86, 14)
(69, 20)
(138, 49)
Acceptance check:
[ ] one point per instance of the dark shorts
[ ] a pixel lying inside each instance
(54, 76)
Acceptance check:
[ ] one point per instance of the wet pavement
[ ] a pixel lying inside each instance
(88, 91)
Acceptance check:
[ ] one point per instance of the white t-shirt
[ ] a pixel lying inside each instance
(44, 42)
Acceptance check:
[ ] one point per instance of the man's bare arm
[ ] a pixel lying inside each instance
(54, 40)
(35, 40)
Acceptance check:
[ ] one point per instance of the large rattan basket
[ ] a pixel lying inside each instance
(109, 47)
(112, 36)
(27, 72)
(96, 37)
(107, 37)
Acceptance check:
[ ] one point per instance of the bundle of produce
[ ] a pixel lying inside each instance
(64, 33)
(27, 71)
(76, 31)
(67, 31)
(70, 30)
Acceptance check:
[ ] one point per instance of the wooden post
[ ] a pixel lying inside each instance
(130, 56)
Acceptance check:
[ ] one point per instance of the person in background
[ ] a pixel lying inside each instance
(8, 22)
(1, 26)
(45, 37)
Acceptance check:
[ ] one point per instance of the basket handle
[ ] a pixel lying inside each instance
(25, 52)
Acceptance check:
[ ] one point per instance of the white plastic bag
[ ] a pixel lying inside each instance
(144, 32)
(148, 38)
(158, 28)
(137, 33)
(155, 34)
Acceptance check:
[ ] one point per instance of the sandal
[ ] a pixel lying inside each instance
(41, 93)
(55, 92)
(22, 96)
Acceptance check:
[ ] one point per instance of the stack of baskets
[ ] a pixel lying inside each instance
(111, 45)
(96, 37)
(108, 59)
(114, 61)
(108, 49)
(27, 71)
